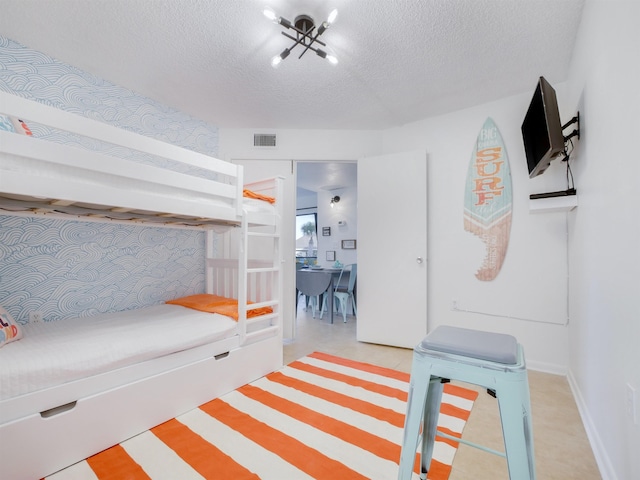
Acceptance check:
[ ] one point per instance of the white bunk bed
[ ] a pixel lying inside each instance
(46, 428)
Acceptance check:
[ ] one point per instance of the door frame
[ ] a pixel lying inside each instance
(287, 242)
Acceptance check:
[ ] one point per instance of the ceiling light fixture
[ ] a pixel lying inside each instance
(304, 28)
(334, 200)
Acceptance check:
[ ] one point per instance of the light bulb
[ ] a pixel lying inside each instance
(275, 61)
(270, 14)
(332, 59)
(332, 16)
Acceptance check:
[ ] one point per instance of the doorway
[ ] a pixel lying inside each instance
(328, 192)
(322, 180)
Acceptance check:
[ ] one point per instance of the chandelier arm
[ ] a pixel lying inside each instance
(297, 41)
(304, 34)
(308, 46)
(300, 40)
(315, 40)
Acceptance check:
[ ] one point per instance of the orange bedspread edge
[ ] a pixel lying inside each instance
(250, 194)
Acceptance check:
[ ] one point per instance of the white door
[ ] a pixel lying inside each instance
(260, 169)
(392, 249)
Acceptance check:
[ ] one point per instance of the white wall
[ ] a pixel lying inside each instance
(346, 211)
(604, 258)
(300, 144)
(528, 299)
(315, 145)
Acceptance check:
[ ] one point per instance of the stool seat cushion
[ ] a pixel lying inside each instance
(493, 347)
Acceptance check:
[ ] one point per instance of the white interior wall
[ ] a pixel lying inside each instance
(604, 257)
(344, 211)
(319, 145)
(528, 298)
(512, 303)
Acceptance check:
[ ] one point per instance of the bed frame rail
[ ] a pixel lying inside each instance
(55, 175)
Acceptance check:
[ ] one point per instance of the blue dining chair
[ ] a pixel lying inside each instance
(342, 294)
(312, 284)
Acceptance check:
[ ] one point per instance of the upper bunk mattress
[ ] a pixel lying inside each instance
(53, 353)
(253, 205)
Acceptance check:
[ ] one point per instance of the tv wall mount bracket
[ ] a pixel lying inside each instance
(576, 132)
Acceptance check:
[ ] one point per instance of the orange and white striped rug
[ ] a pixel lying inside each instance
(321, 417)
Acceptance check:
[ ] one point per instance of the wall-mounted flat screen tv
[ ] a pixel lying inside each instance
(542, 130)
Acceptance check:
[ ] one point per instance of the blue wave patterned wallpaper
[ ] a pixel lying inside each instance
(69, 268)
(33, 75)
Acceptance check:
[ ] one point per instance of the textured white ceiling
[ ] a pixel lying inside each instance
(400, 60)
(316, 176)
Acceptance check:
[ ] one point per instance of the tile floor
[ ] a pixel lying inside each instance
(561, 445)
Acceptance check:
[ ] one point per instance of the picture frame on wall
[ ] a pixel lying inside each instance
(330, 256)
(326, 231)
(348, 244)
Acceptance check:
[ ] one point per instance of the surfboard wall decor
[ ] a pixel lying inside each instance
(488, 198)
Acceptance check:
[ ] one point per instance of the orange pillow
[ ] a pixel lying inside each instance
(206, 302)
(203, 301)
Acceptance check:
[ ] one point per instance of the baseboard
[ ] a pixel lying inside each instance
(599, 452)
(551, 368)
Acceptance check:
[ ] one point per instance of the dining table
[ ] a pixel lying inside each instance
(316, 281)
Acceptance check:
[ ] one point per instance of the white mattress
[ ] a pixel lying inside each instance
(254, 205)
(52, 353)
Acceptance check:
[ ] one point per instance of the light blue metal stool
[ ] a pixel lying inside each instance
(491, 360)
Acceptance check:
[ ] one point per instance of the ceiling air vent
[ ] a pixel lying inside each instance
(264, 140)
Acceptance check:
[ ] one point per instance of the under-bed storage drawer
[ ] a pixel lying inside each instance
(38, 445)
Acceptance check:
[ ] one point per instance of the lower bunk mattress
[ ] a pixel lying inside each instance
(55, 353)
(54, 426)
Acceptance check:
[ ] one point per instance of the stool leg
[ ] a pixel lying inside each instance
(418, 387)
(515, 413)
(430, 424)
(528, 432)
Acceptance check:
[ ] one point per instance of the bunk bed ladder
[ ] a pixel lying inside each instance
(253, 269)
(243, 258)
(271, 268)
(233, 270)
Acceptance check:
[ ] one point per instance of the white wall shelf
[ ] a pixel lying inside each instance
(553, 204)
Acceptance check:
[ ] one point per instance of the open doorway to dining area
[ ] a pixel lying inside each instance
(326, 234)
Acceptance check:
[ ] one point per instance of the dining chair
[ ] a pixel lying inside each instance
(300, 266)
(342, 294)
(312, 284)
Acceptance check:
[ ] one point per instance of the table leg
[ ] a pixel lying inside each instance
(330, 302)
